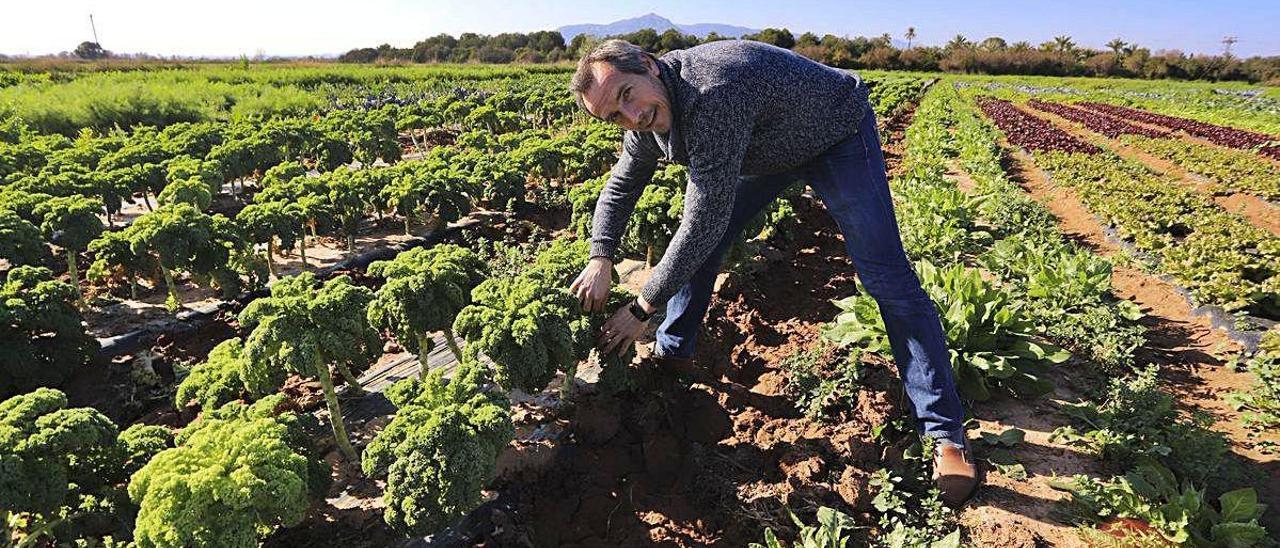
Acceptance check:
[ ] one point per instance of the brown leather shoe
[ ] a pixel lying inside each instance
(955, 472)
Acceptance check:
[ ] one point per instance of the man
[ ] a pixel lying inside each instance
(750, 119)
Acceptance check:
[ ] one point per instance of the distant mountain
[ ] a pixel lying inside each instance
(655, 22)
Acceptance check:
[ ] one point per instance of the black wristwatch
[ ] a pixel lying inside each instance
(638, 311)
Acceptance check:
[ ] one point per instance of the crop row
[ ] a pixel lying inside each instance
(1225, 136)
(115, 166)
(1067, 287)
(1252, 109)
(59, 188)
(435, 456)
(1134, 425)
(1029, 282)
(1232, 170)
(1098, 122)
(1043, 285)
(438, 453)
(1221, 258)
(1030, 132)
(110, 99)
(888, 95)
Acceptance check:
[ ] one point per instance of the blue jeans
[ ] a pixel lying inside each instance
(850, 180)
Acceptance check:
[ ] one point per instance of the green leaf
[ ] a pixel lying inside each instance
(1058, 355)
(1239, 505)
(1130, 310)
(1008, 438)
(1237, 535)
(1028, 349)
(950, 541)
(1001, 456)
(1012, 471)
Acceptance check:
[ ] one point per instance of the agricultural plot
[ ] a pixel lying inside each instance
(1225, 136)
(1230, 168)
(386, 349)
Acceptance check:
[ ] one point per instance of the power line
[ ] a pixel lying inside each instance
(1227, 42)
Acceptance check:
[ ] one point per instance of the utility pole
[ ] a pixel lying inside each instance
(1227, 42)
(95, 30)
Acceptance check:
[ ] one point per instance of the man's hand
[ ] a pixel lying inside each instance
(592, 286)
(621, 331)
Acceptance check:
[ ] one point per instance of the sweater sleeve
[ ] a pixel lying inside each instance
(617, 200)
(715, 161)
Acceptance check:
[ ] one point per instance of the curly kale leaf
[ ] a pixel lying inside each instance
(233, 477)
(439, 451)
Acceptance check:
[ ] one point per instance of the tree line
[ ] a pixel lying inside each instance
(1059, 56)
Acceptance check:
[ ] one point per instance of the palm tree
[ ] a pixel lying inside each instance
(1117, 45)
(994, 43)
(959, 42)
(910, 35)
(1064, 43)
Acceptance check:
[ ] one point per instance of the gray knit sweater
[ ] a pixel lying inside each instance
(738, 108)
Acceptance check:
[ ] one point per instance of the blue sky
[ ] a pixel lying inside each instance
(291, 27)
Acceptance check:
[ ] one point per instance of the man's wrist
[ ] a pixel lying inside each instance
(602, 258)
(644, 305)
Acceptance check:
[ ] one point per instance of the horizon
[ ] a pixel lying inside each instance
(325, 28)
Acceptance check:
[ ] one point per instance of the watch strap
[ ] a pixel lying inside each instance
(638, 311)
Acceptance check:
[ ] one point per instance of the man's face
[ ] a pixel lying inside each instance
(637, 102)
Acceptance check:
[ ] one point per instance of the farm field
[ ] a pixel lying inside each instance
(327, 305)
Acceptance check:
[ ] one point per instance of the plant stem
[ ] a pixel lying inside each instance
(352, 381)
(450, 340)
(335, 412)
(425, 344)
(172, 304)
(302, 249)
(566, 389)
(74, 272)
(271, 262)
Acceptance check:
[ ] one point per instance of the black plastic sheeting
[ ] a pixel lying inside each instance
(472, 527)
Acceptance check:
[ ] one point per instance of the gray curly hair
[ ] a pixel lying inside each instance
(623, 55)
